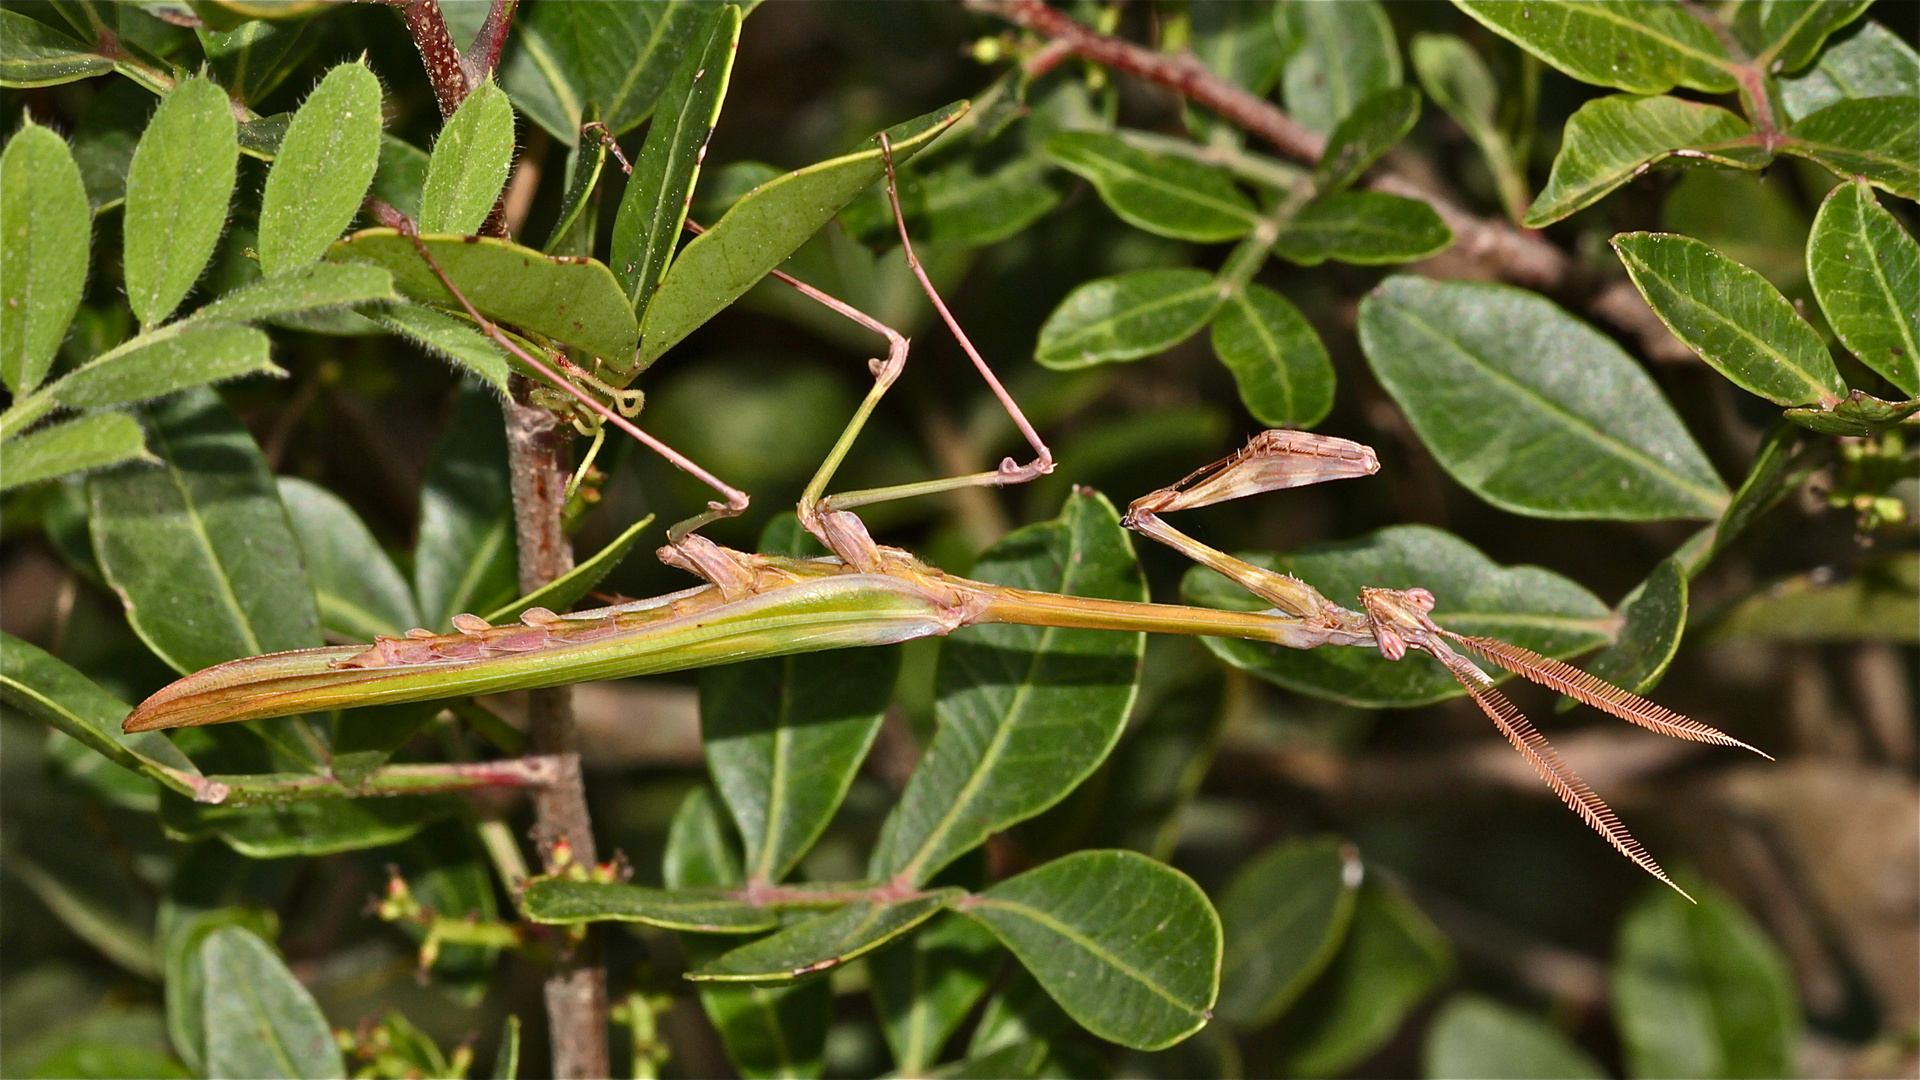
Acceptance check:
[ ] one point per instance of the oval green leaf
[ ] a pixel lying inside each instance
(178, 187)
(1278, 363)
(148, 367)
(359, 591)
(1526, 605)
(1165, 195)
(1475, 1036)
(559, 901)
(569, 57)
(79, 445)
(1878, 138)
(1285, 914)
(765, 226)
(322, 168)
(574, 301)
(823, 942)
(1698, 990)
(35, 54)
(1129, 947)
(1127, 316)
(44, 235)
(1783, 37)
(1652, 619)
(1365, 228)
(1611, 140)
(318, 827)
(1026, 712)
(258, 1019)
(45, 688)
(1533, 410)
(1339, 55)
(925, 988)
(469, 164)
(451, 337)
(1865, 270)
(1867, 61)
(654, 208)
(312, 287)
(1370, 130)
(1640, 46)
(1734, 318)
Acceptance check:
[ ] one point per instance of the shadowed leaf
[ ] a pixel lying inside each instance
(1284, 914)
(259, 1020)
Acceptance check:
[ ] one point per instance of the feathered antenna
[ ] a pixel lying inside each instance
(1598, 693)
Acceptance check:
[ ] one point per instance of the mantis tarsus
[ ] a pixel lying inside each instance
(867, 594)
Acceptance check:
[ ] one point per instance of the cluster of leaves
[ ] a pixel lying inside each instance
(1525, 405)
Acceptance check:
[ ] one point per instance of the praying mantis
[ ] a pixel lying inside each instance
(864, 593)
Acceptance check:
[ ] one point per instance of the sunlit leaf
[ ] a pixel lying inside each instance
(322, 168)
(1026, 713)
(1284, 914)
(35, 54)
(1366, 228)
(1278, 363)
(1699, 991)
(44, 234)
(448, 336)
(79, 445)
(1127, 316)
(47, 689)
(303, 288)
(177, 191)
(1533, 410)
(1732, 317)
(1865, 269)
(1129, 947)
(1640, 46)
(1339, 55)
(469, 163)
(1526, 605)
(1611, 140)
(1162, 194)
(1878, 138)
(647, 229)
(146, 368)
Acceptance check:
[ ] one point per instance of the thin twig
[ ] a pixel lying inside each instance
(484, 55)
(441, 57)
(1519, 257)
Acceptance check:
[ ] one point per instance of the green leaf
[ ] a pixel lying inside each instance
(563, 592)
(1858, 414)
(1653, 617)
(1165, 195)
(1867, 61)
(1755, 219)
(400, 176)
(1341, 55)
(1393, 958)
(1533, 410)
(1640, 46)
(303, 288)
(1239, 43)
(44, 230)
(1611, 140)
(62, 698)
(207, 893)
(1457, 79)
(200, 550)
(1020, 1013)
(577, 226)
(1278, 363)
(91, 916)
(506, 1060)
(768, 1031)
(1129, 947)
(1369, 131)
(654, 208)
(360, 593)
(1365, 228)
(1475, 1036)
(1526, 605)
(89, 442)
(1699, 991)
(824, 941)
(322, 169)
(449, 336)
(765, 226)
(1127, 316)
(317, 827)
(35, 54)
(1878, 138)
(259, 1020)
(1785, 35)
(1865, 269)
(148, 367)
(925, 987)
(572, 300)
(1284, 914)
(177, 191)
(1877, 603)
(1732, 317)
(469, 163)
(466, 557)
(559, 901)
(255, 57)
(1776, 470)
(968, 204)
(1026, 712)
(567, 57)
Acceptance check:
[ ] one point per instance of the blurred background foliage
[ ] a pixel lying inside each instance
(1491, 936)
